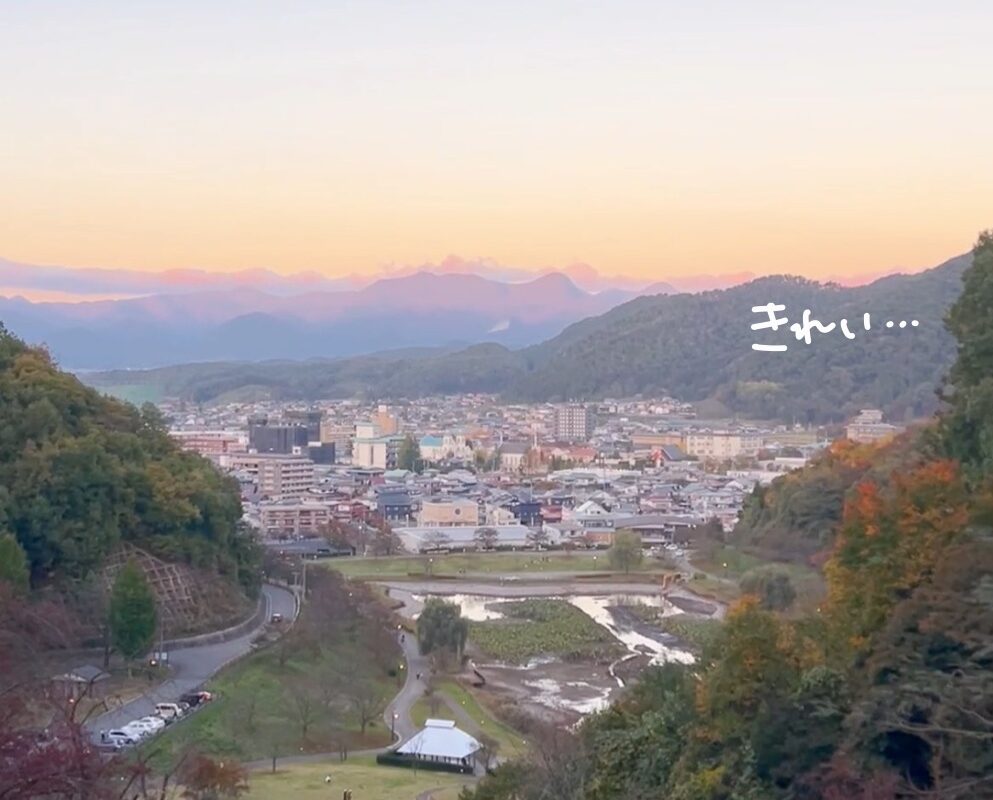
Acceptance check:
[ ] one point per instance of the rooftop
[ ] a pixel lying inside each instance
(439, 738)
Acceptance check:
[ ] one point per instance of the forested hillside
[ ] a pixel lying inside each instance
(81, 473)
(696, 347)
(796, 517)
(699, 346)
(885, 692)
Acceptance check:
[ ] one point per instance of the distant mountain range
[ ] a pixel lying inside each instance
(695, 346)
(247, 323)
(77, 283)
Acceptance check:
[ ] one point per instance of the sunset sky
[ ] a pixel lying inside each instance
(651, 139)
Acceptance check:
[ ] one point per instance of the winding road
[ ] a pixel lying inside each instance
(192, 666)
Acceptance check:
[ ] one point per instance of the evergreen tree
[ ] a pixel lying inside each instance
(968, 427)
(132, 613)
(409, 456)
(13, 563)
(441, 626)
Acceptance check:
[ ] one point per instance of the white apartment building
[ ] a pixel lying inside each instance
(722, 445)
(868, 426)
(282, 477)
(289, 517)
(573, 423)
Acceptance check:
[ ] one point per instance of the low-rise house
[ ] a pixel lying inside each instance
(294, 517)
(396, 505)
(82, 681)
(447, 511)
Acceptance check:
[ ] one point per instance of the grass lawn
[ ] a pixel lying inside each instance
(724, 591)
(256, 713)
(541, 627)
(454, 564)
(696, 632)
(731, 563)
(367, 781)
(420, 712)
(302, 693)
(511, 742)
(726, 561)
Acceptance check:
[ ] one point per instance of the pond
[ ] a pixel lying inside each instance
(661, 648)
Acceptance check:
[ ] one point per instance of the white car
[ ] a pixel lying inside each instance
(137, 731)
(168, 711)
(157, 723)
(118, 737)
(145, 726)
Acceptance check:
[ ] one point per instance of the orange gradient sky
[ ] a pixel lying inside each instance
(649, 139)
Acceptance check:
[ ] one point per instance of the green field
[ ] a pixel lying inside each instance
(727, 565)
(510, 741)
(697, 632)
(136, 393)
(365, 779)
(541, 627)
(455, 564)
(306, 692)
(256, 712)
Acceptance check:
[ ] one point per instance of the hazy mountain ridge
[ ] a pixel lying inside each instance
(422, 309)
(695, 346)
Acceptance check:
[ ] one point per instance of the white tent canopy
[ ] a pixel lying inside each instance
(439, 739)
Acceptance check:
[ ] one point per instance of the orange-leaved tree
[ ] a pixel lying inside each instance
(891, 536)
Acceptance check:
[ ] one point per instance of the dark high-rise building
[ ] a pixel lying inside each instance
(322, 452)
(311, 420)
(284, 439)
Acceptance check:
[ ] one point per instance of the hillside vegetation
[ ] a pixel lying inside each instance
(81, 473)
(796, 517)
(885, 690)
(696, 347)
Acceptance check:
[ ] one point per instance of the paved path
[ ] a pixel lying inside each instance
(192, 666)
(401, 705)
(412, 691)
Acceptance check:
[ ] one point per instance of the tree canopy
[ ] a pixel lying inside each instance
(80, 473)
(441, 626)
(13, 563)
(132, 613)
(625, 553)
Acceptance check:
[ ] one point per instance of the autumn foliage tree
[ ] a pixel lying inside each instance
(891, 536)
(206, 779)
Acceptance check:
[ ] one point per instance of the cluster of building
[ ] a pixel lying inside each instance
(468, 471)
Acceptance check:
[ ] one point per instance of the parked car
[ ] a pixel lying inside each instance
(196, 698)
(146, 725)
(168, 711)
(137, 731)
(118, 737)
(276, 618)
